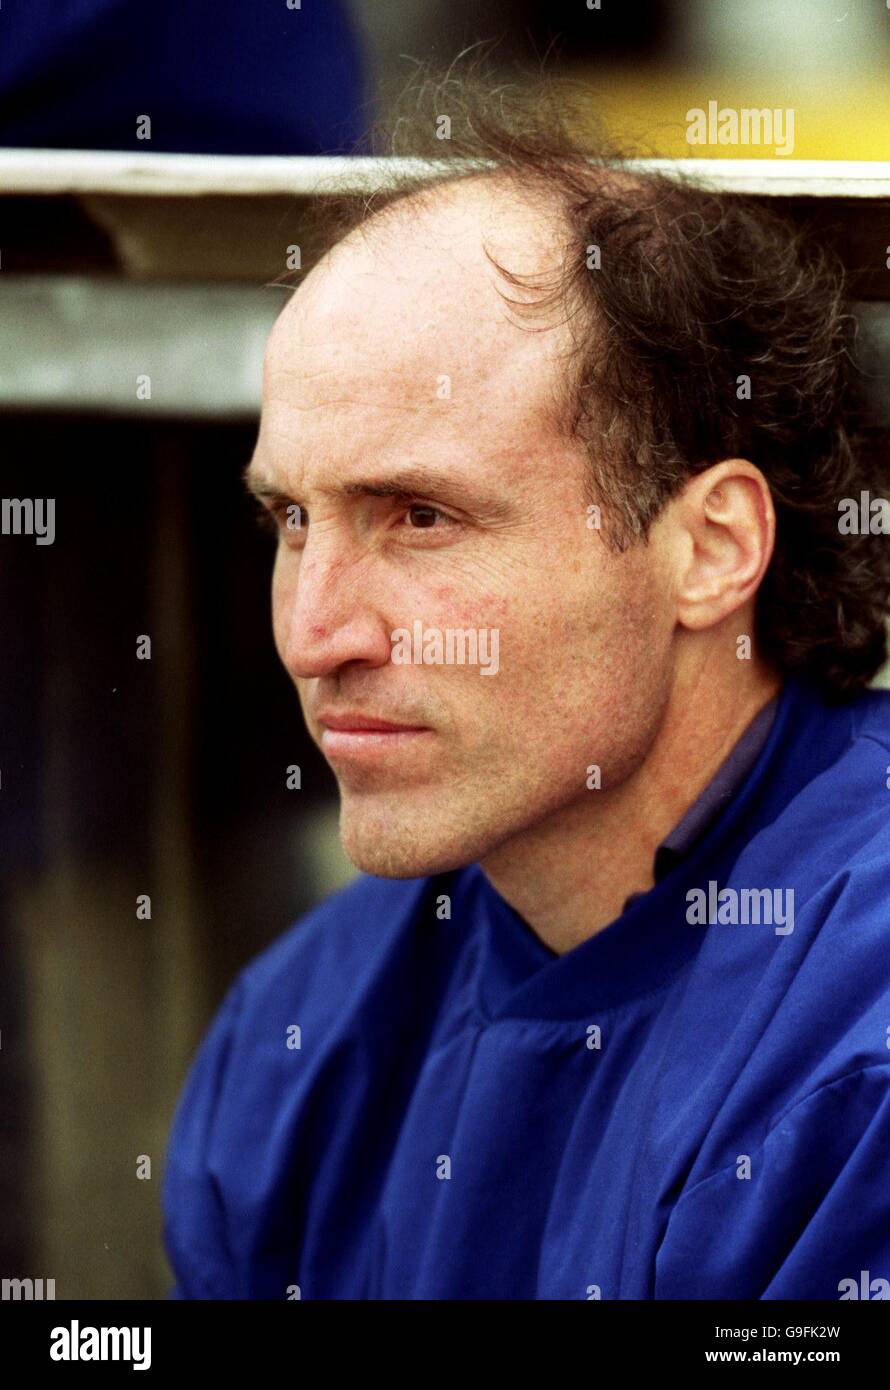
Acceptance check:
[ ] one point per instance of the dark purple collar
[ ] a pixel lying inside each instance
(716, 795)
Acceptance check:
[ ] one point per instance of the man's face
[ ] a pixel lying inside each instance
(406, 415)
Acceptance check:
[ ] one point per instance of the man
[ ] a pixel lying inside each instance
(569, 612)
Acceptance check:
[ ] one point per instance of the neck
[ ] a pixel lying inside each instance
(569, 876)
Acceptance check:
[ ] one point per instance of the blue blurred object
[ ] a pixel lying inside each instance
(215, 76)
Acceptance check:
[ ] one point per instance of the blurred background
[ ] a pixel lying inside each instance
(121, 777)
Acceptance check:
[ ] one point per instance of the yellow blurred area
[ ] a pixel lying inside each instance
(843, 116)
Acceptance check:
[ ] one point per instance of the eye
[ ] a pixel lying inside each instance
(284, 519)
(266, 521)
(423, 517)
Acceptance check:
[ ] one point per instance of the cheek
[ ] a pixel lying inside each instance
(568, 643)
(282, 605)
(458, 609)
(546, 632)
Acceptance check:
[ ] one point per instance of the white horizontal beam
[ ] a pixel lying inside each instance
(100, 345)
(141, 174)
(81, 343)
(178, 175)
(783, 178)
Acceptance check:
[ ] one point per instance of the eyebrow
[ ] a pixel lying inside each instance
(402, 483)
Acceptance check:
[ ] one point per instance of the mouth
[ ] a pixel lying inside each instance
(362, 737)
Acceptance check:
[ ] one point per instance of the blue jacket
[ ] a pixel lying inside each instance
(409, 1096)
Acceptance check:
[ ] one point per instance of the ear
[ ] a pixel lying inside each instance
(725, 531)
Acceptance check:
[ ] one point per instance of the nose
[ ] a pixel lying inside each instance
(325, 609)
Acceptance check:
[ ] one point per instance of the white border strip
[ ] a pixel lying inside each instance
(194, 175)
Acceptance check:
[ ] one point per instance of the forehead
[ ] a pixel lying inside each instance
(404, 328)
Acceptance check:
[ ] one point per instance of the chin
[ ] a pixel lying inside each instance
(399, 851)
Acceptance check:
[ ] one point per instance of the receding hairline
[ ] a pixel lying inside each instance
(547, 192)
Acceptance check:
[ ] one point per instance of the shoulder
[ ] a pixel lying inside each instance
(871, 717)
(366, 952)
(316, 975)
(831, 843)
(343, 938)
(838, 819)
(829, 850)
(855, 800)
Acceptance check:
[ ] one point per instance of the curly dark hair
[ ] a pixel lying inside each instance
(694, 290)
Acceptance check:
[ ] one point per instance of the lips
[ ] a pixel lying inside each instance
(352, 741)
(354, 723)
